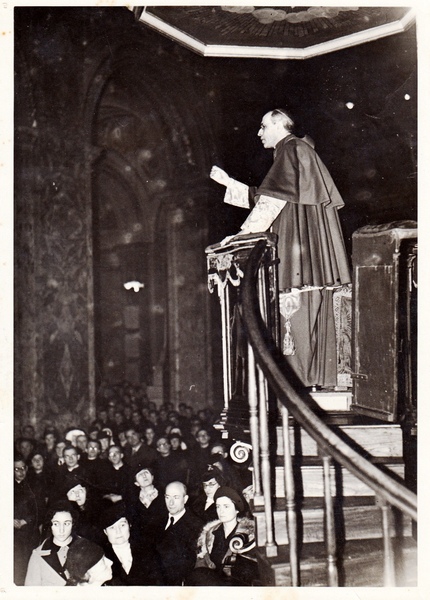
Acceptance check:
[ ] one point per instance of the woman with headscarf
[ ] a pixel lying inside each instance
(218, 559)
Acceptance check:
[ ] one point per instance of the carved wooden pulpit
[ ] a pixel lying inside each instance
(226, 266)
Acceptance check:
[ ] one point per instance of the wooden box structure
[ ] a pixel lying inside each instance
(384, 320)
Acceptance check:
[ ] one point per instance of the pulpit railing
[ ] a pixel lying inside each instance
(258, 392)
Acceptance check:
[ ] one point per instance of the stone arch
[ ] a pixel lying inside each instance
(168, 171)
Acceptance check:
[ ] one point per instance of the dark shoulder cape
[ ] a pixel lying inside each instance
(310, 241)
(298, 175)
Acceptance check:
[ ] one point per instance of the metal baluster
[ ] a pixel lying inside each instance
(253, 425)
(389, 570)
(290, 499)
(271, 548)
(226, 343)
(330, 533)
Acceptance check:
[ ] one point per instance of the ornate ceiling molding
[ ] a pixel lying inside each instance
(275, 33)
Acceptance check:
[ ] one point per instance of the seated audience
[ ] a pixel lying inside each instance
(145, 502)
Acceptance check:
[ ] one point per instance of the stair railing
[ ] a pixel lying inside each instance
(389, 493)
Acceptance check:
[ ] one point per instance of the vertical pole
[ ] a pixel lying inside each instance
(389, 570)
(228, 338)
(271, 549)
(330, 534)
(254, 427)
(223, 295)
(290, 499)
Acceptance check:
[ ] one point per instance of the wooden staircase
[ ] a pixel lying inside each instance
(340, 507)
(358, 514)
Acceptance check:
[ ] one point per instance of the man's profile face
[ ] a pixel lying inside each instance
(271, 132)
(175, 498)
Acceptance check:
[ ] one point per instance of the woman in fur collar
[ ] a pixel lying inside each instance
(216, 563)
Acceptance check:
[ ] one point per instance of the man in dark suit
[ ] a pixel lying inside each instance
(137, 454)
(71, 473)
(176, 551)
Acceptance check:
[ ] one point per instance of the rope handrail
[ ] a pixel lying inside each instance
(327, 439)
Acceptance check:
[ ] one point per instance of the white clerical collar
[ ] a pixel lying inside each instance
(117, 467)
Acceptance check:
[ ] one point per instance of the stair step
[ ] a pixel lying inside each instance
(311, 479)
(373, 440)
(333, 401)
(358, 520)
(362, 564)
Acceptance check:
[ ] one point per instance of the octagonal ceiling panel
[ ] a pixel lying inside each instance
(281, 32)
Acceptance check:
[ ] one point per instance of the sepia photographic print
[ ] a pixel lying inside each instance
(211, 351)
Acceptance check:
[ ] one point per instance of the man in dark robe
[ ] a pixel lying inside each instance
(299, 201)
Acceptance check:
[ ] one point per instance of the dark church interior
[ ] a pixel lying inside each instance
(117, 221)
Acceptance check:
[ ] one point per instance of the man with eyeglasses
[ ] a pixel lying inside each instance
(25, 519)
(70, 473)
(299, 202)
